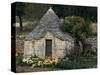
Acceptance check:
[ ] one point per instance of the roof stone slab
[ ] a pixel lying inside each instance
(49, 23)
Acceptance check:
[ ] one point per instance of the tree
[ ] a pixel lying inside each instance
(29, 12)
(69, 10)
(20, 12)
(35, 11)
(78, 27)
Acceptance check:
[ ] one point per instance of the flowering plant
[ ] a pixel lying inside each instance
(39, 62)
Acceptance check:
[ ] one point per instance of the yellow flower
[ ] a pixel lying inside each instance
(51, 62)
(55, 61)
(46, 62)
(40, 63)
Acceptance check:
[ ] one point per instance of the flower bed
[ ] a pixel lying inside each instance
(39, 62)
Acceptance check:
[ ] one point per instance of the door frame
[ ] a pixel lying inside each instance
(48, 56)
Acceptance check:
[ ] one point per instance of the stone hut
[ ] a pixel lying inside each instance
(47, 40)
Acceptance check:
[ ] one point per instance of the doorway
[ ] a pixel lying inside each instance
(48, 49)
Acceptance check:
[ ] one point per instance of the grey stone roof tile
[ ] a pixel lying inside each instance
(49, 23)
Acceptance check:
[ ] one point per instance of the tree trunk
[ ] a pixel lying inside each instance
(20, 21)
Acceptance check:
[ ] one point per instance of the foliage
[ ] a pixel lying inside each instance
(35, 61)
(20, 9)
(89, 50)
(65, 63)
(30, 11)
(34, 11)
(76, 26)
(18, 60)
(78, 63)
(80, 29)
(20, 12)
(86, 12)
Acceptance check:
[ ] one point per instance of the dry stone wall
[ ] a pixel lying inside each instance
(19, 46)
(92, 40)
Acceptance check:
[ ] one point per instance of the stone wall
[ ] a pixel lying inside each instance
(37, 47)
(19, 47)
(92, 40)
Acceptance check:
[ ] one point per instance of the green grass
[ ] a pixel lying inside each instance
(78, 63)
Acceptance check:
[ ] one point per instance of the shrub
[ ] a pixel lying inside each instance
(75, 25)
(89, 50)
(18, 60)
(78, 63)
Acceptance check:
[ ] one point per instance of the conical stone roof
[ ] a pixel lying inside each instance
(49, 23)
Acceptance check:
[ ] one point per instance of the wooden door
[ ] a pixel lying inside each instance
(48, 50)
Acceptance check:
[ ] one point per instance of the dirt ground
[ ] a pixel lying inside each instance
(30, 69)
(20, 69)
